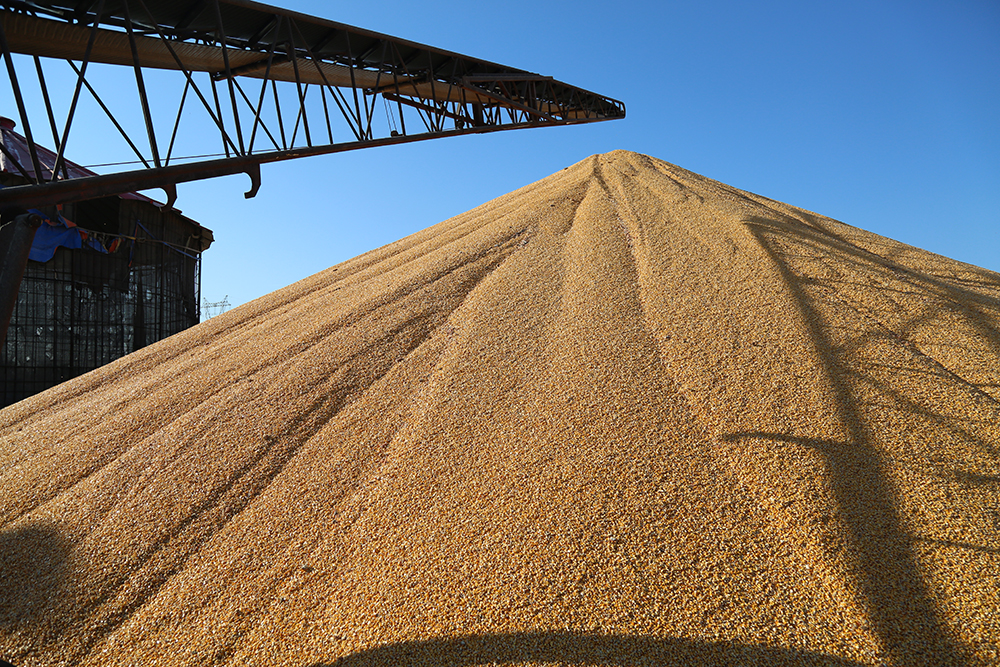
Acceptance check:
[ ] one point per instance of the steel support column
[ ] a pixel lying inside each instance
(15, 244)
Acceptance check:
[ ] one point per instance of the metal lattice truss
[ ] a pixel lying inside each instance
(236, 56)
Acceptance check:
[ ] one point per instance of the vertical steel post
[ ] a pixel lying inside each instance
(277, 107)
(332, 90)
(16, 89)
(298, 85)
(111, 117)
(141, 85)
(218, 110)
(15, 244)
(48, 109)
(60, 149)
(263, 89)
(354, 83)
(229, 75)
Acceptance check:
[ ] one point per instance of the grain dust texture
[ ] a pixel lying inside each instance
(625, 415)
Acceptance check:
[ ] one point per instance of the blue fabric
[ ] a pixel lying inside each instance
(49, 237)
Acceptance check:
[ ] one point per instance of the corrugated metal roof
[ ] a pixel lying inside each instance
(17, 145)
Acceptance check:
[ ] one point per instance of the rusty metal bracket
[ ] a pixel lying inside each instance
(254, 173)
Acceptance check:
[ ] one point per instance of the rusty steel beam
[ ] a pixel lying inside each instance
(80, 189)
(232, 38)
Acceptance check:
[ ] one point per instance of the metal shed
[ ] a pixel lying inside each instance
(105, 277)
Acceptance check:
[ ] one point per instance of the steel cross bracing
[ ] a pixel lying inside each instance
(253, 73)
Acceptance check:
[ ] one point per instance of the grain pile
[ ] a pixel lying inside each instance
(625, 415)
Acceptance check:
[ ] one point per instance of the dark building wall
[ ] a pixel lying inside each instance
(84, 308)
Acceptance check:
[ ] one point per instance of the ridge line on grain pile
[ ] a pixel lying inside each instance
(622, 414)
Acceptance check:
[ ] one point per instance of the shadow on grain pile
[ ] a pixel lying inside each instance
(579, 649)
(898, 602)
(33, 571)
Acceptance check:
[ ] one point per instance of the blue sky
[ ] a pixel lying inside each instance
(882, 114)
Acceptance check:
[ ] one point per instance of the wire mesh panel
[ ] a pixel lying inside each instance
(84, 308)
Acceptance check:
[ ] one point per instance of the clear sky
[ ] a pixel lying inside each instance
(883, 114)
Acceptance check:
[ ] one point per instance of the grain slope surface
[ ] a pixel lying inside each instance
(625, 415)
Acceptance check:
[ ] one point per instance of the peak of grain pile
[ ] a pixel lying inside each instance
(625, 415)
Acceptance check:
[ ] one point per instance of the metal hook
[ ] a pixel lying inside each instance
(254, 173)
(171, 192)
